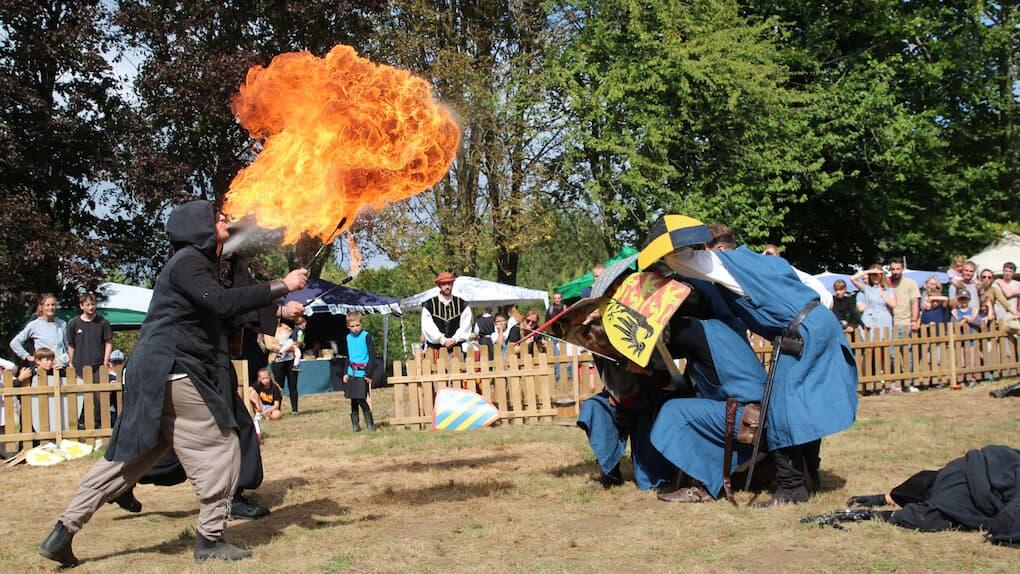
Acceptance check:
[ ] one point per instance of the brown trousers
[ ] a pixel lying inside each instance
(210, 455)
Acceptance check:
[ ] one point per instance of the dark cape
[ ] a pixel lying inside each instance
(168, 471)
(980, 490)
(182, 332)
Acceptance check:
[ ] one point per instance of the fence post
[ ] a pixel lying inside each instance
(953, 384)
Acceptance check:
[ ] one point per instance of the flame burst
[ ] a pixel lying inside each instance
(352, 247)
(340, 134)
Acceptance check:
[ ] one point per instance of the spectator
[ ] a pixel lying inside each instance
(267, 396)
(843, 307)
(282, 365)
(875, 299)
(955, 271)
(1010, 289)
(772, 250)
(989, 295)
(934, 305)
(906, 313)
(556, 308)
(89, 343)
(89, 338)
(965, 313)
(358, 376)
(445, 319)
(966, 282)
(518, 332)
(45, 331)
(36, 375)
(500, 333)
(485, 326)
(596, 272)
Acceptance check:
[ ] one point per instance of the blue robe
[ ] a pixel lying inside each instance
(598, 420)
(691, 432)
(813, 395)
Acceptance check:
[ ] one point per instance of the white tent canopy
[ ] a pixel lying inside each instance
(993, 256)
(480, 293)
(127, 297)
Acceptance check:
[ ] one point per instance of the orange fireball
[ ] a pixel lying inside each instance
(339, 134)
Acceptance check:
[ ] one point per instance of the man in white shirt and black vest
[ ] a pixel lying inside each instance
(445, 320)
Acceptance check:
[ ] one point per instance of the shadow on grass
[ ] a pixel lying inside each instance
(313, 514)
(272, 492)
(453, 463)
(182, 542)
(319, 513)
(576, 469)
(452, 491)
(163, 513)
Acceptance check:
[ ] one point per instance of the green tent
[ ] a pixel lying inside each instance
(572, 289)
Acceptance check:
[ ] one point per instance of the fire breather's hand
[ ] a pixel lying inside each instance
(292, 310)
(296, 279)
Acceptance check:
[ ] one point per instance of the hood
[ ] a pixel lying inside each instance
(194, 223)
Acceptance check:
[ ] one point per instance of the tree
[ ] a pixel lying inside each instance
(677, 107)
(195, 55)
(62, 120)
(917, 103)
(484, 60)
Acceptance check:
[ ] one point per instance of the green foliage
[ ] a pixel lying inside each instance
(681, 108)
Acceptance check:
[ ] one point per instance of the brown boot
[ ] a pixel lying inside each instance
(690, 494)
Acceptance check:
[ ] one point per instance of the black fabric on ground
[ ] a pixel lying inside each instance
(917, 488)
(980, 490)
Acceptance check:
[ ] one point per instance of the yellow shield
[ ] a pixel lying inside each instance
(638, 312)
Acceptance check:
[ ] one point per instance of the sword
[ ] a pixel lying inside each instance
(776, 351)
(343, 220)
(552, 320)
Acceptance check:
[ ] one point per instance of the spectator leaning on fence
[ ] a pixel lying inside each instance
(934, 305)
(46, 330)
(968, 282)
(875, 299)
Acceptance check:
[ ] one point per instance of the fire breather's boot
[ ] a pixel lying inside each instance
(206, 549)
(355, 422)
(369, 421)
(57, 546)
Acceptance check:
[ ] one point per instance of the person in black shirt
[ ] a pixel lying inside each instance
(89, 343)
(269, 396)
(843, 307)
(518, 332)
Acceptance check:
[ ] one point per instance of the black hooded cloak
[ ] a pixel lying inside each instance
(181, 332)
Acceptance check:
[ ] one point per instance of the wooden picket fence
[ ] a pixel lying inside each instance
(521, 387)
(49, 410)
(526, 388)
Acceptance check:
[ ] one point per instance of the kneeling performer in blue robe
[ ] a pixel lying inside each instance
(691, 432)
(626, 409)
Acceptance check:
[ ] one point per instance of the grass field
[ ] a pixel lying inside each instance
(515, 499)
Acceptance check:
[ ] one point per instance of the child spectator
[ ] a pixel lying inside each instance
(934, 305)
(955, 271)
(268, 396)
(357, 386)
(964, 313)
(843, 307)
(43, 361)
(297, 338)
